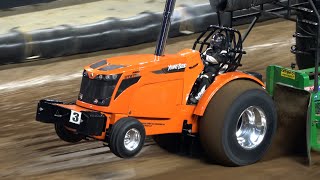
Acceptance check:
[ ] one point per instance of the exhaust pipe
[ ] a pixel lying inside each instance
(165, 26)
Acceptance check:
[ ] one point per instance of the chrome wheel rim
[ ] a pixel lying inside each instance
(132, 139)
(251, 127)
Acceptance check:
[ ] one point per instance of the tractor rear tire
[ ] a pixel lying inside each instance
(67, 135)
(169, 142)
(127, 137)
(227, 121)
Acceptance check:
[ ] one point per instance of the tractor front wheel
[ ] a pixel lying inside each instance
(238, 125)
(127, 137)
(66, 134)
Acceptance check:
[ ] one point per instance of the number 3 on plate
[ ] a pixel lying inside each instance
(75, 117)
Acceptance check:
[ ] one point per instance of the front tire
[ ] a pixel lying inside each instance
(238, 125)
(127, 137)
(67, 135)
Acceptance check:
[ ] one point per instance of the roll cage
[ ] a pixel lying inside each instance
(280, 9)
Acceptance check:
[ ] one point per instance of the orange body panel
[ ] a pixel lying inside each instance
(159, 98)
(145, 66)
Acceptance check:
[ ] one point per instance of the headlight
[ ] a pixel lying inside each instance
(107, 77)
(115, 76)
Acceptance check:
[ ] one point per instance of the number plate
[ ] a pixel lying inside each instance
(75, 117)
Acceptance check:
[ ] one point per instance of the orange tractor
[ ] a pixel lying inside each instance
(124, 99)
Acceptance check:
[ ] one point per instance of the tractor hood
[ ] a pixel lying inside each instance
(108, 84)
(135, 63)
(118, 65)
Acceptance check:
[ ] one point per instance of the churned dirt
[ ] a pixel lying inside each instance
(31, 150)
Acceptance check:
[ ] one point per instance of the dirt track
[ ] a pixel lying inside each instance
(31, 150)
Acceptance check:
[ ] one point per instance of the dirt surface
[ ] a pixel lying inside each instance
(31, 150)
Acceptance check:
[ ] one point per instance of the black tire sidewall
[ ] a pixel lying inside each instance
(233, 150)
(114, 136)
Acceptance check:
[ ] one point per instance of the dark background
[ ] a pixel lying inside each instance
(7, 4)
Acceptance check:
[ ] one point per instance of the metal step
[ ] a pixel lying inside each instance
(294, 50)
(304, 9)
(308, 22)
(299, 35)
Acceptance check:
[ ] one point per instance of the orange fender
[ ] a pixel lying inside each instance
(219, 82)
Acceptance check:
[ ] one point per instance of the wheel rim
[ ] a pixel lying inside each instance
(132, 139)
(251, 127)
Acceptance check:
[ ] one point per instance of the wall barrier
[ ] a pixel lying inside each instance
(17, 46)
